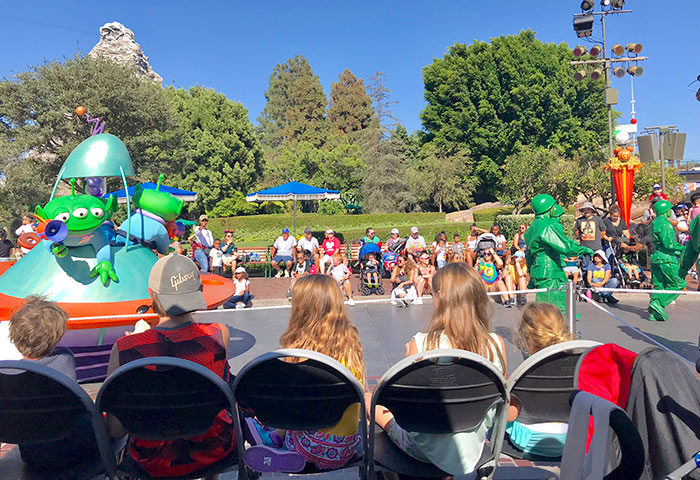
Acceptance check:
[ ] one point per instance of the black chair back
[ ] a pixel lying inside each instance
(441, 395)
(164, 398)
(39, 404)
(307, 394)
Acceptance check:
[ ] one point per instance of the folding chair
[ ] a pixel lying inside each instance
(310, 394)
(579, 463)
(39, 404)
(439, 392)
(542, 385)
(166, 398)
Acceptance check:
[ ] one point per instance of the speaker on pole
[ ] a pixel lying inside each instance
(648, 148)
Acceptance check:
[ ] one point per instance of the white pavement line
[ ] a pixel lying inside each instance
(600, 307)
(642, 290)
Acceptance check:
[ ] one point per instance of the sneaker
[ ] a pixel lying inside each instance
(239, 306)
(507, 303)
(612, 300)
(286, 274)
(266, 459)
(418, 301)
(248, 304)
(259, 434)
(279, 274)
(405, 303)
(351, 302)
(522, 300)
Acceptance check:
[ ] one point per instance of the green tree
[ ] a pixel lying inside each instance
(219, 154)
(385, 187)
(350, 109)
(650, 174)
(380, 95)
(38, 126)
(442, 178)
(489, 99)
(296, 106)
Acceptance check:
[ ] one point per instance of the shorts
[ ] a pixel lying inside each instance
(282, 258)
(571, 270)
(326, 451)
(371, 270)
(326, 258)
(403, 440)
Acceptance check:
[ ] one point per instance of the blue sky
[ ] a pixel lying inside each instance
(232, 46)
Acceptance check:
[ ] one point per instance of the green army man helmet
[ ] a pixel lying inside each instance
(557, 211)
(542, 203)
(662, 206)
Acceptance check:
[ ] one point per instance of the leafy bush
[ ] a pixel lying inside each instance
(331, 207)
(510, 223)
(235, 204)
(488, 215)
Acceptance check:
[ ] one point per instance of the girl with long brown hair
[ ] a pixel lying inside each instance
(318, 322)
(461, 319)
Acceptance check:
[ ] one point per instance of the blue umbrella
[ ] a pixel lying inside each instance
(293, 191)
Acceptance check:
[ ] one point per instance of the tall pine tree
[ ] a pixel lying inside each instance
(350, 108)
(296, 106)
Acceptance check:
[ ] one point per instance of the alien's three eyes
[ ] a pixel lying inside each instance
(80, 213)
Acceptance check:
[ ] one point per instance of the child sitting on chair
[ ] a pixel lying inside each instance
(372, 270)
(35, 330)
(300, 268)
(541, 325)
(571, 268)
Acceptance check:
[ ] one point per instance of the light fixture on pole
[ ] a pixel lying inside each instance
(635, 48)
(596, 74)
(580, 75)
(635, 71)
(583, 25)
(618, 4)
(604, 3)
(619, 72)
(595, 51)
(580, 50)
(618, 50)
(586, 5)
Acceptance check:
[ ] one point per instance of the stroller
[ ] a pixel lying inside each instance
(370, 250)
(625, 278)
(389, 257)
(484, 242)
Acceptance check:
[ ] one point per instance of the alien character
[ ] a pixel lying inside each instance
(84, 216)
(664, 262)
(546, 243)
(149, 220)
(691, 249)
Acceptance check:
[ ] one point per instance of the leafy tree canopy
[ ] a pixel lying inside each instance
(350, 108)
(489, 99)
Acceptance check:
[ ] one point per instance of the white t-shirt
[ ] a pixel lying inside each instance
(217, 257)
(204, 236)
(285, 248)
(417, 243)
(500, 242)
(240, 285)
(339, 271)
(309, 245)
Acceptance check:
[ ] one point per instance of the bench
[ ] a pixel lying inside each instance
(353, 251)
(264, 255)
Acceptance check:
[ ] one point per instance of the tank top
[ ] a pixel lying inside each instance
(201, 343)
(455, 453)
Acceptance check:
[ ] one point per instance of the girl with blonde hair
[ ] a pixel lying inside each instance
(541, 325)
(318, 322)
(461, 319)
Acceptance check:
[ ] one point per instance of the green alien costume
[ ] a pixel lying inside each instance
(546, 243)
(691, 249)
(664, 262)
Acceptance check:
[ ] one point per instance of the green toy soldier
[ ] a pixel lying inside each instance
(664, 263)
(691, 249)
(546, 243)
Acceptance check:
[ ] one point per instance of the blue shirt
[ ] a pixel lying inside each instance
(598, 272)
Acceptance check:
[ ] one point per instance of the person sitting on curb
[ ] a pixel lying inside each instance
(283, 253)
(242, 297)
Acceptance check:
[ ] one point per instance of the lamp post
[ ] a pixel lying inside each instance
(585, 29)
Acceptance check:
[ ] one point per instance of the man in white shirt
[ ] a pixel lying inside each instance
(415, 244)
(203, 237)
(283, 253)
(308, 243)
(26, 227)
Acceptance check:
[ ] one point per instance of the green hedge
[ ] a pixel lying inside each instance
(256, 228)
(510, 223)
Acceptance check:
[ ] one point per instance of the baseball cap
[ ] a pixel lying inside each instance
(587, 205)
(601, 254)
(175, 280)
(285, 230)
(203, 217)
(395, 230)
(330, 230)
(307, 230)
(240, 270)
(414, 229)
(656, 187)
(519, 254)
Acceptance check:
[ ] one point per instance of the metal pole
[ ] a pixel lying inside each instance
(570, 298)
(663, 161)
(294, 209)
(606, 69)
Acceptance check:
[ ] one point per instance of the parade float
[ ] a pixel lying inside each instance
(623, 164)
(94, 271)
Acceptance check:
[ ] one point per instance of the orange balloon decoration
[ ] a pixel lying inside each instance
(80, 110)
(624, 155)
(616, 150)
(631, 149)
